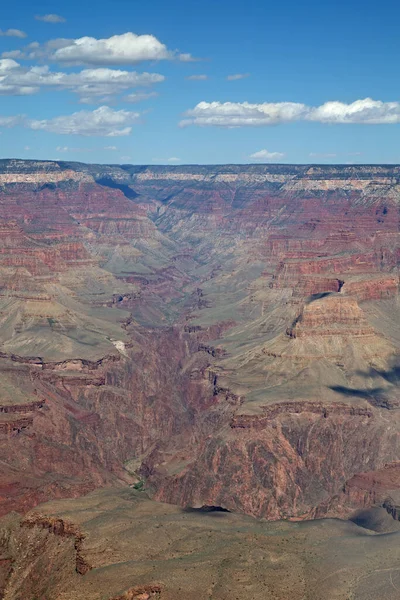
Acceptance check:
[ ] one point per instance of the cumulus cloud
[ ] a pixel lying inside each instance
(125, 49)
(237, 76)
(236, 114)
(139, 96)
(266, 156)
(51, 18)
(104, 121)
(197, 77)
(245, 114)
(92, 85)
(13, 33)
(360, 111)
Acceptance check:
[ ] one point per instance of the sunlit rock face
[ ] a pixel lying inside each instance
(229, 334)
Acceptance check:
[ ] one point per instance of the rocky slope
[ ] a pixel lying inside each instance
(229, 334)
(119, 545)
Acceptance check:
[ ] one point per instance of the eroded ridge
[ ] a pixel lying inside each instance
(64, 529)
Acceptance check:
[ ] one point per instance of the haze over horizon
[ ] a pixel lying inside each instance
(170, 85)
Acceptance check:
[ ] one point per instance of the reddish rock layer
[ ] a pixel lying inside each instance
(156, 311)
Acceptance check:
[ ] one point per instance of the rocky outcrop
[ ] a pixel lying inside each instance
(292, 408)
(333, 315)
(375, 488)
(14, 426)
(62, 528)
(22, 408)
(140, 593)
(376, 288)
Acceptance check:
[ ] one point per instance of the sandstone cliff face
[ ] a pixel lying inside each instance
(229, 333)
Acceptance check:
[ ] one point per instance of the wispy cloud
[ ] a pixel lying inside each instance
(139, 97)
(92, 85)
(13, 33)
(323, 155)
(69, 149)
(163, 161)
(74, 149)
(266, 156)
(50, 18)
(12, 121)
(197, 77)
(245, 114)
(104, 121)
(237, 76)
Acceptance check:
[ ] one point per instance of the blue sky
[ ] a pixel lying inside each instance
(151, 82)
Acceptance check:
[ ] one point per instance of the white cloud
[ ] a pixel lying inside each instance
(11, 121)
(13, 54)
(236, 114)
(104, 121)
(237, 76)
(7, 65)
(197, 77)
(92, 85)
(245, 114)
(69, 149)
(187, 57)
(13, 33)
(163, 161)
(265, 155)
(139, 97)
(125, 49)
(361, 111)
(322, 155)
(51, 18)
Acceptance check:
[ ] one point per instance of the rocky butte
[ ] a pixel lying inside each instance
(219, 336)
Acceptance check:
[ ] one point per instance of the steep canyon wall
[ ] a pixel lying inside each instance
(228, 334)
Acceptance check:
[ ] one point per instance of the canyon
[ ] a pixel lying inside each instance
(219, 336)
